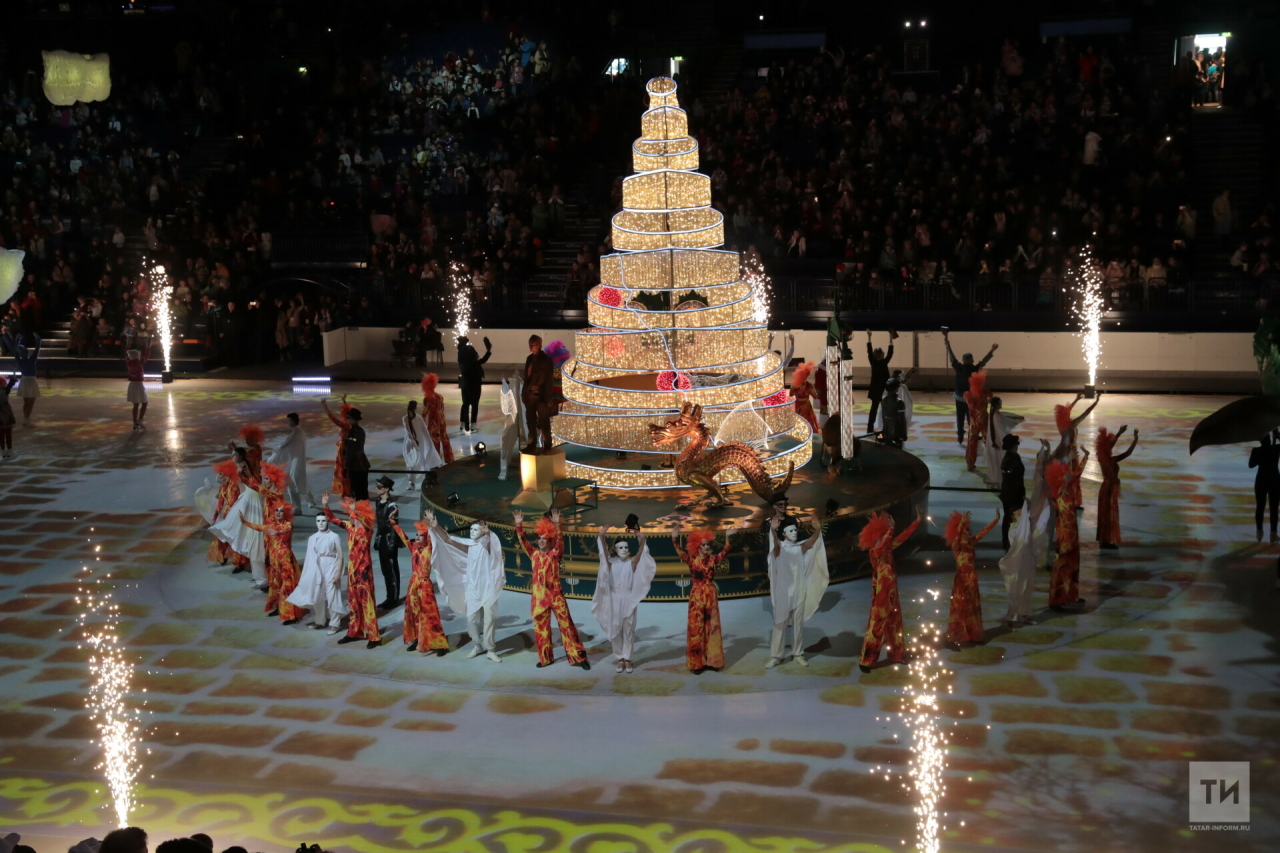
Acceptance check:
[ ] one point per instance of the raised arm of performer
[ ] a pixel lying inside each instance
(906, 534)
(1132, 446)
(977, 537)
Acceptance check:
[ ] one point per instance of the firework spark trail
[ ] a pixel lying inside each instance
(928, 742)
(1088, 308)
(109, 690)
(761, 287)
(161, 292)
(461, 287)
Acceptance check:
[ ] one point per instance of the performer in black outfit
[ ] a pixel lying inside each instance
(357, 463)
(471, 380)
(1013, 489)
(385, 540)
(1266, 483)
(895, 419)
(879, 360)
(964, 369)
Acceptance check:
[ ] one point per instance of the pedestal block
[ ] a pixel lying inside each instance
(537, 471)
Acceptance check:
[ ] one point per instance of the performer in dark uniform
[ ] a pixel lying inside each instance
(471, 381)
(1013, 489)
(539, 388)
(1266, 483)
(879, 360)
(385, 540)
(357, 463)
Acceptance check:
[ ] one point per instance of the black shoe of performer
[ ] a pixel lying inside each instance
(347, 639)
(413, 647)
(372, 644)
(583, 664)
(864, 667)
(540, 664)
(275, 612)
(290, 622)
(384, 605)
(441, 652)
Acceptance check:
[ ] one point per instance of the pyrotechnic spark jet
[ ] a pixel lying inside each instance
(928, 742)
(761, 287)
(1088, 308)
(461, 287)
(115, 718)
(161, 293)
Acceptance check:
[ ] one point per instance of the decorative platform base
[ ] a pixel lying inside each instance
(889, 480)
(537, 471)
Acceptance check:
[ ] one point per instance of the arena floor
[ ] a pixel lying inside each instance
(1072, 734)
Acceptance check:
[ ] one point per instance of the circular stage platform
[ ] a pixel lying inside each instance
(890, 480)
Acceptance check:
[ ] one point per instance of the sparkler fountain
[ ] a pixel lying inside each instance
(1088, 308)
(161, 294)
(461, 292)
(928, 742)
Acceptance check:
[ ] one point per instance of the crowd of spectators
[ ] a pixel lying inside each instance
(134, 839)
(977, 195)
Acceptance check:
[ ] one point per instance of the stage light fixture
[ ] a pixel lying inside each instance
(480, 448)
(301, 379)
(632, 522)
(452, 500)
(832, 507)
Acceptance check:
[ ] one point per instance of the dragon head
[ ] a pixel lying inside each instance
(690, 421)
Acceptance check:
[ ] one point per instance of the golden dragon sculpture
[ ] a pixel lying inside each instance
(698, 466)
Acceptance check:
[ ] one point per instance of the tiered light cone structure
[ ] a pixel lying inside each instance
(671, 315)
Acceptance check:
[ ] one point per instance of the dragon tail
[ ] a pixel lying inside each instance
(762, 484)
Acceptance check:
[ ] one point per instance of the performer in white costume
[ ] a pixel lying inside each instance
(419, 453)
(512, 423)
(1001, 424)
(471, 575)
(321, 587)
(797, 579)
(240, 537)
(904, 394)
(1028, 545)
(291, 455)
(621, 585)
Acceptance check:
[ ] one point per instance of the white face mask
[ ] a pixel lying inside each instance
(475, 533)
(791, 533)
(322, 523)
(623, 550)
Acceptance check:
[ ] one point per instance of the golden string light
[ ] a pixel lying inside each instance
(674, 320)
(1088, 307)
(110, 685)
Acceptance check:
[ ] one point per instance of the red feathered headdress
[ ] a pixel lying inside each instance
(801, 376)
(429, 383)
(546, 527)
(253, 434)
(1056, 475)
(361, 512)
(957, 525)
(697, 537)
(879, 525)
(1062, 416)
(275, 475)
(227, 468)
(978, 384)
(1105, 444)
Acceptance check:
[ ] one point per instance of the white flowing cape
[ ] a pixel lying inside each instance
(1028, 542)
(797, 578)
(291, 455)
(1002, 423)
(323, 578)
(471, 573)
(619, 590)
(908, 408)
(429, 458)
(206, 500)
(243, 540)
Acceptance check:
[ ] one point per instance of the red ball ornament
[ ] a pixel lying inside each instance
(777, 399)
(666, 380)
(683, 382)
(614, 347)
(610, 296)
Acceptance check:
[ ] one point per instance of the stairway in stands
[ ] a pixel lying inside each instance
(1226, 153)
(545, 293)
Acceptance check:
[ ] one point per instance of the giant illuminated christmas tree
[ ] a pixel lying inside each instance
(672, 321)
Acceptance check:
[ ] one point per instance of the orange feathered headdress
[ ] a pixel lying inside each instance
(274, 475)
(697, 537)
(422, 527)
(1105, 443)
(288, 508)
(957, 525)
(253, 434)
(801, 376)
(978, 384)
(878, 526)
(1055, 474)
(1062, 416)
(546, 527)
(361, 512)
(429, 383)
(227, 468)
(346, 409)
